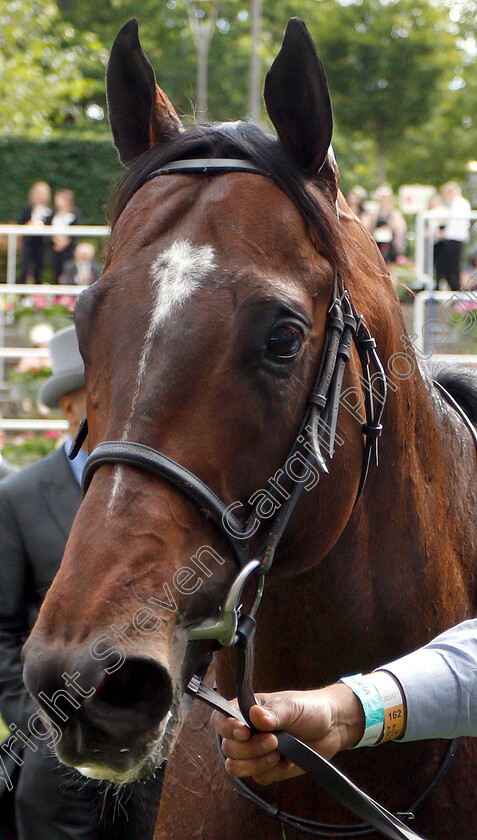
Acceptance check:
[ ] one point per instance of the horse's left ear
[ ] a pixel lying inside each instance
(298, 103)
(140, 113)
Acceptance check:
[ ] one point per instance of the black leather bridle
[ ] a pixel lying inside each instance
(315, 438)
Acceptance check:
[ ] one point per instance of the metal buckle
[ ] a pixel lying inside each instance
(224, 628)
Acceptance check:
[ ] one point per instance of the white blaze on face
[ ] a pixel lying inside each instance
(176, 273)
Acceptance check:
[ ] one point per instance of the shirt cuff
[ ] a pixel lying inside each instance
(440, 685)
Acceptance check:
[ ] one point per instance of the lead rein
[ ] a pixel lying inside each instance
(333, 780)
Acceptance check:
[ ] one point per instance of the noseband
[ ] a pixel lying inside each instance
(315, 438)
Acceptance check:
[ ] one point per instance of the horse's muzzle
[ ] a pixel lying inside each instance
(106, 724)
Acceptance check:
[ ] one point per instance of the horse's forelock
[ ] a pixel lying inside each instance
(247, 141)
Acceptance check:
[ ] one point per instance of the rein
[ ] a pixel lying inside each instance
(314, 439)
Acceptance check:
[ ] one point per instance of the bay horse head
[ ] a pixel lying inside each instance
(202, 341)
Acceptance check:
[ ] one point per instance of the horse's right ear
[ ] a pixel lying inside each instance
(297, 99)
(140, 113)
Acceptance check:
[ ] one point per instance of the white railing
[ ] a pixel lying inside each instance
(13, 232)
(32, 425)
(7, 290)
(431, 328)
(427, 225)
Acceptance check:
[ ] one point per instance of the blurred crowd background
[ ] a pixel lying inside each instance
(403, 83)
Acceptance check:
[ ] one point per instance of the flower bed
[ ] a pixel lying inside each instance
(29, 312)
(29, 447)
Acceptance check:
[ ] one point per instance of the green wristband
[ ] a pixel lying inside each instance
(373, 708)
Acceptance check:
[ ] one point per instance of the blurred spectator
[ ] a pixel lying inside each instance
(388, 227)
(469, 274)
(38, 213)
(356, 198)
(83, 269)
(5, 467)
(453, 236)
(436, 206)
(436, 224)
(66, 214)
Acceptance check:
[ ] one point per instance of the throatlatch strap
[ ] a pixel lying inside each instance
(457, 408)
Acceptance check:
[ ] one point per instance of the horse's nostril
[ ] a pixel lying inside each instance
(140, 691)
(122, 706)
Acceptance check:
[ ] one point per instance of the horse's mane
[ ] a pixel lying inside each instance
(246, 141)
(460, 382)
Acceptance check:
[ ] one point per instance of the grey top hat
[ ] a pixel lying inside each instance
(67, 365)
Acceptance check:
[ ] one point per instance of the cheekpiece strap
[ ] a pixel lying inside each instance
(375, 393)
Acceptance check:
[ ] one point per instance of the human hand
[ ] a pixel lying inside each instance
(60, 242)
(328, 720)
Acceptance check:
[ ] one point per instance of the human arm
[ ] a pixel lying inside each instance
(16, 704)
(25, 216)
(399, 228)
(438, 687)
(439, 682)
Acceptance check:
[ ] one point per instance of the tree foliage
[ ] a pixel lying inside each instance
(401, 72)
(403, 83)
(47, 68)
(385, 62)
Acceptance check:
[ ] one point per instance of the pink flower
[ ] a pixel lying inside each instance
(52, 434)
(466, 305)
(62, 299)
(39, 301)
(67, 301)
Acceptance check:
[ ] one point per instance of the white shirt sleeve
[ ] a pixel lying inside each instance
(458, 223)
(440, 685)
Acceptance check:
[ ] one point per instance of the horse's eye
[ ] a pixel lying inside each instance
(285, 341)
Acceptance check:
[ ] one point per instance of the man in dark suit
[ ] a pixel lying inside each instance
(83, 269)
(6, 468)
(37, 508)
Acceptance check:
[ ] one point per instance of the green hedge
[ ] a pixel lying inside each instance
(90, 167)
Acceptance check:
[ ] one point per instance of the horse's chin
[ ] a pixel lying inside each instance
(126, 768)
(105, 774)
(143, 769)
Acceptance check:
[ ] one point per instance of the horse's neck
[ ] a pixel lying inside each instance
(399, 572)
(365, 585)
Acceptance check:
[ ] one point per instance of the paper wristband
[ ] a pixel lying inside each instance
(373, 708)
(393, 704)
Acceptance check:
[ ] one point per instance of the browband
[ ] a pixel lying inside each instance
(213, 166)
